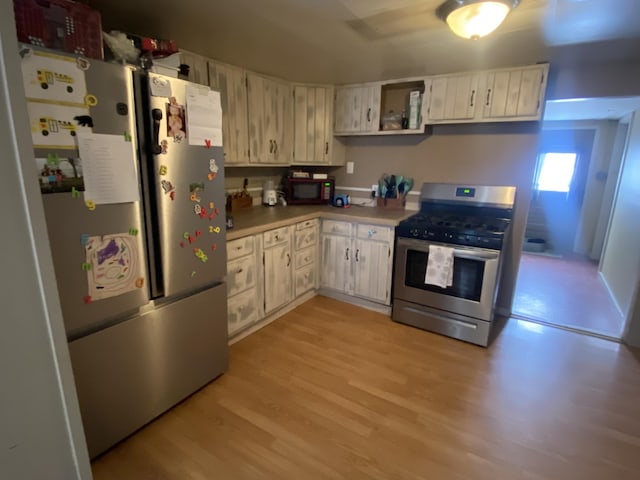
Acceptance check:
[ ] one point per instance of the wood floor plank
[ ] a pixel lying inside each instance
(333, 391)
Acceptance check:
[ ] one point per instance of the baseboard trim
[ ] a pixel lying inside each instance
(566, 328)
(360, 302)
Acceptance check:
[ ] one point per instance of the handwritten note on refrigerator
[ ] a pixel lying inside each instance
(109, 169)
(204, 116)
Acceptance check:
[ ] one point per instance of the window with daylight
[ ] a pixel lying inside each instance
(555, 172)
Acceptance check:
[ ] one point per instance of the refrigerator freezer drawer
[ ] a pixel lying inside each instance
(130, 373)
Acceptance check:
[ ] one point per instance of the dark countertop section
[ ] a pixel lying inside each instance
(258, 219)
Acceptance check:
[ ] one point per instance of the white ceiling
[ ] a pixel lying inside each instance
(348, 41)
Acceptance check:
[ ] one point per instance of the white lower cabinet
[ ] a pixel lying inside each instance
(357, 259)
(305, 257)
(244, 290)
(277, 269)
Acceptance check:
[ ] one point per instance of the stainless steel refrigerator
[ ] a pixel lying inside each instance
(138, 348)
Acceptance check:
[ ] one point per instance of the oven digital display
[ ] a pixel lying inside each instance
(465, 192)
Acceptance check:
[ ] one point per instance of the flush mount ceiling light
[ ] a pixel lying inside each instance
(475, 18)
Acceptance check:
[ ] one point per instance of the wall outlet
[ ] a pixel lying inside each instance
(374, 191)
(349, 168)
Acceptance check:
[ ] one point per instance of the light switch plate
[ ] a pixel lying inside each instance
(349, 167)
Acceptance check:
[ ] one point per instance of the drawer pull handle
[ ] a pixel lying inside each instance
(347, 254)
(240, 270)
(288, 259)
(357, 255)
(239, 248)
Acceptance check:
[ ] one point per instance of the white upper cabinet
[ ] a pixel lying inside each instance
(270, 120)
(198, 72)
(453, 97)
(312, 119)
(231, 82)
(357, 109)
(515, 94)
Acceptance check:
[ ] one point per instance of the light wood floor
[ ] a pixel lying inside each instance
(334, 391)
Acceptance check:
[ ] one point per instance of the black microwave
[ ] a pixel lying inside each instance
(301, 191)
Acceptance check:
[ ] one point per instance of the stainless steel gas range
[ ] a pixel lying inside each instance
(448, 259)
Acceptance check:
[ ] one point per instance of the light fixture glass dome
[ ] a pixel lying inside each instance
(475, 18)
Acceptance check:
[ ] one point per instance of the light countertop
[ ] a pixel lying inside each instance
(258, 219)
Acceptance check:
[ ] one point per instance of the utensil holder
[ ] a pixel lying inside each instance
(391, 203)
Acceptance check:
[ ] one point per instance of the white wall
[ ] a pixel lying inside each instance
(40, 428)
(620, 264)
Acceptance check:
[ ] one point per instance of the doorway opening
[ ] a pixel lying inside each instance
(560, 280)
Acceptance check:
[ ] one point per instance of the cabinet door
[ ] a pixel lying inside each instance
(231, 82)
(373, 270)
(453, 98)
(257, 98)
(514, 94)
(312, 134)
(348, 107)
(242, 311)
(270, 121)
(370, 113)
(336, 272)
(198, 68)
(279, 121)
(277, 276)
(305, 280)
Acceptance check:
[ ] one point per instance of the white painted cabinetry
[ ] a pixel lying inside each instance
(198, 71)
(244, 287)
(305, 257)
(453, 97)
(312, 124)
(373, 262)
(277, 268)
(357, 259)
(357, 108)
(231, 82)
(270, 120)
(515, 94)
(336, 267)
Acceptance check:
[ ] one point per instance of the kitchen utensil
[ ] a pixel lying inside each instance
(391, 187)
(408, 185)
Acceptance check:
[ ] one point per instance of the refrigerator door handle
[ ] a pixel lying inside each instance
(156, 114)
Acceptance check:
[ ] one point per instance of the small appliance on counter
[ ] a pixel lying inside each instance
(341, 200)
(309, 191)
(269, 195)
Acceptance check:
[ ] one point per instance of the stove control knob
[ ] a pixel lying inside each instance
(414, 232)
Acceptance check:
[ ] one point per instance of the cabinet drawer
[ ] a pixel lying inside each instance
(305, 257)
(306, 238)
(336, 228)
(307, 224)
(241, 275)
(276, 237)
(240, 247)
(242, 311)
(374, 232)
(305, 280)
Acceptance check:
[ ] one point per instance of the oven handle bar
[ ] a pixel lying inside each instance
(470, 254)
(476, 256)
(448, 320)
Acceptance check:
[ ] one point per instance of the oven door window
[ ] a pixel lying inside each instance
(467, 276)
